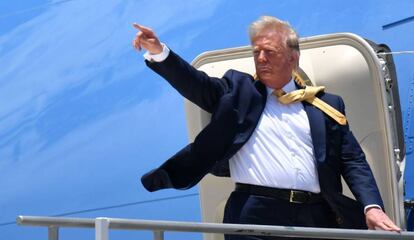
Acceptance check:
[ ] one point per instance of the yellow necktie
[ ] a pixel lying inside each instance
(308, 95)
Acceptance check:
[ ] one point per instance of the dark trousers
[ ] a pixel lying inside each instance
(244, 208)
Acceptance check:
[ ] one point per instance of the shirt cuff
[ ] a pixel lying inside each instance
(158, 57)
(371, 206)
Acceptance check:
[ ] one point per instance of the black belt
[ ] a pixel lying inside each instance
(293, 196)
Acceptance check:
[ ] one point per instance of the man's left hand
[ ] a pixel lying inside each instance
(377, 219)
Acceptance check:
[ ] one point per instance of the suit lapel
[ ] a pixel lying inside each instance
(261, 88)
(251, 116)
(317, 127)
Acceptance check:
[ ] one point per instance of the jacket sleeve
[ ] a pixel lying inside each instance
(355, 168)
(196, 86)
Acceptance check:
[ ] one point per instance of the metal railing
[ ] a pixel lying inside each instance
(102, 226)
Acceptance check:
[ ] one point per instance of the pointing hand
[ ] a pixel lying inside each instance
(146, 39)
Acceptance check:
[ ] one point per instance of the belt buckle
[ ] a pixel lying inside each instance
(292, 196)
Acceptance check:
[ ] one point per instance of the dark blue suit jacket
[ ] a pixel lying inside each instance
(236, 103)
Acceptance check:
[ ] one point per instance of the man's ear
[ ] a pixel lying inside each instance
(294, 58)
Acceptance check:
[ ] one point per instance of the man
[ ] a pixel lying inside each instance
(286, 159)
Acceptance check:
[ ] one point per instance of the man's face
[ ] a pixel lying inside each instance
(274, 60)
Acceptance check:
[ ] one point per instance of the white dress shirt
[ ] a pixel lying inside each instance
(280, 151)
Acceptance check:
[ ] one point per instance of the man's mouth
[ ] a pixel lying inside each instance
(264, 69)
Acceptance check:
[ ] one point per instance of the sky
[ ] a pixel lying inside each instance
(82, 118)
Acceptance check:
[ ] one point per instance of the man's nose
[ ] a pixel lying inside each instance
(261, 57)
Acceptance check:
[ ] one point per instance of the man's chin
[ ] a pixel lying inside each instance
(264, 75)
(266, 81)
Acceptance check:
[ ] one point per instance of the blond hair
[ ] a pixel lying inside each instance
(272, 23)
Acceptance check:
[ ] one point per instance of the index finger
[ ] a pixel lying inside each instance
(392, 226)
(145, 30)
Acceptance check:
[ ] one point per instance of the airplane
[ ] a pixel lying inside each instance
(82, 118)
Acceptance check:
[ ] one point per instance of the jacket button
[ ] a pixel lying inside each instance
(339, 220)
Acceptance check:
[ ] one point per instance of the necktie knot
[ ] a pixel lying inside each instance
(309, 95)
(298, 95)
(278, 93)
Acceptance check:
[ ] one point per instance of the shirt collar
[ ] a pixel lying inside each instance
(289, 87)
